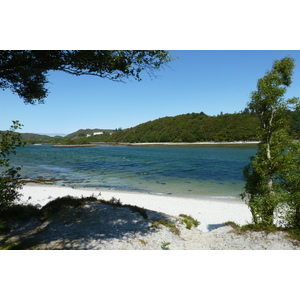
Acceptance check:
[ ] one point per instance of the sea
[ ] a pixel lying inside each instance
(185, 170)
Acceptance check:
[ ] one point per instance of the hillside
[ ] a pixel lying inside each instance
(82, 133)
(199, 127)
(33, 138)
(193, 127)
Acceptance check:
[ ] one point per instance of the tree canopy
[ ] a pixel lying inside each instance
(25, 72)
(273, 159)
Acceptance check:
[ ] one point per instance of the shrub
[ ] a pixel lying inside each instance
(20, 212)
(9, 185)
(66, 202)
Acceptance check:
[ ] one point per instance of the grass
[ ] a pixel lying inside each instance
(64, 203)
(293, 233)
(253, 227)
(165, 245)
(172, 227)
(189, 221)
(116, 202)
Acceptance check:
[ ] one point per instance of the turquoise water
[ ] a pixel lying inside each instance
(176, 170)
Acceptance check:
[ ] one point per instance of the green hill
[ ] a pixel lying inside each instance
(33, 138)
(197, 127)
(193, 127)
(82, 133)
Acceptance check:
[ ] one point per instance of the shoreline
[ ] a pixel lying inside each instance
(195, 143)
(211, 212)
(99, 144)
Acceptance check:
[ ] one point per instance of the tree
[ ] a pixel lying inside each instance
(25, 72)
(263, 188)
(9, 178)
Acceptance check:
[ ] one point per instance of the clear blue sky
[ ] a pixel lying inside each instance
(208, 81)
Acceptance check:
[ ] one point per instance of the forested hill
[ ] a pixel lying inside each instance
(195, 127)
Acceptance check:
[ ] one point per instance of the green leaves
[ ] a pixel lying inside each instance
(25, 72)
(10, 178)
(268, 177)
(9, 140)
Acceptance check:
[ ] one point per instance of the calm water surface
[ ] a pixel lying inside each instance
(178, 170)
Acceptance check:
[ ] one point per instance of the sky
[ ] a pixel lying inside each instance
(197, 80)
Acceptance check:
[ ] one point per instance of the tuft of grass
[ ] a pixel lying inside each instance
(116, 202)
(172, 227)
(260, 227)
(189, 221)
(164, 245)
(233, 225)
(142, 211)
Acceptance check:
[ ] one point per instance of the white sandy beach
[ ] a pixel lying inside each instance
(210, 212)
(99, 226)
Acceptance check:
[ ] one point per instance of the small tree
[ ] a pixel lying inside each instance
(263, 188)
(9, 178)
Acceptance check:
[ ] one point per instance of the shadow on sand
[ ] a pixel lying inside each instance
(76, 227)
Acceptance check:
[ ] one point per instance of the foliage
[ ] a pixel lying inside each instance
(165, 245)
(20, 212)
(66, 202)
(9, 140)
(189, 221)
(172, 227)
(194, 127)
(9, 178)
(253, 227)
(10, 184)
(263, 189)
(289, 209)
(25, 72)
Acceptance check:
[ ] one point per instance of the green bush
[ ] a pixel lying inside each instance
(9, 187)
(20, 212)
(66, 202)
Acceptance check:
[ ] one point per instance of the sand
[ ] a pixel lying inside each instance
(210, 212)
(101, 226)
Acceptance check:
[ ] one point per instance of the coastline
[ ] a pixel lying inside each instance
(209, 211)
(195, 143)
(95, 144)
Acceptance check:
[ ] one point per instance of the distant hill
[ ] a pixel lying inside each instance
(192, 127)
(82, 133)
(197, 127)
(33, 138)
